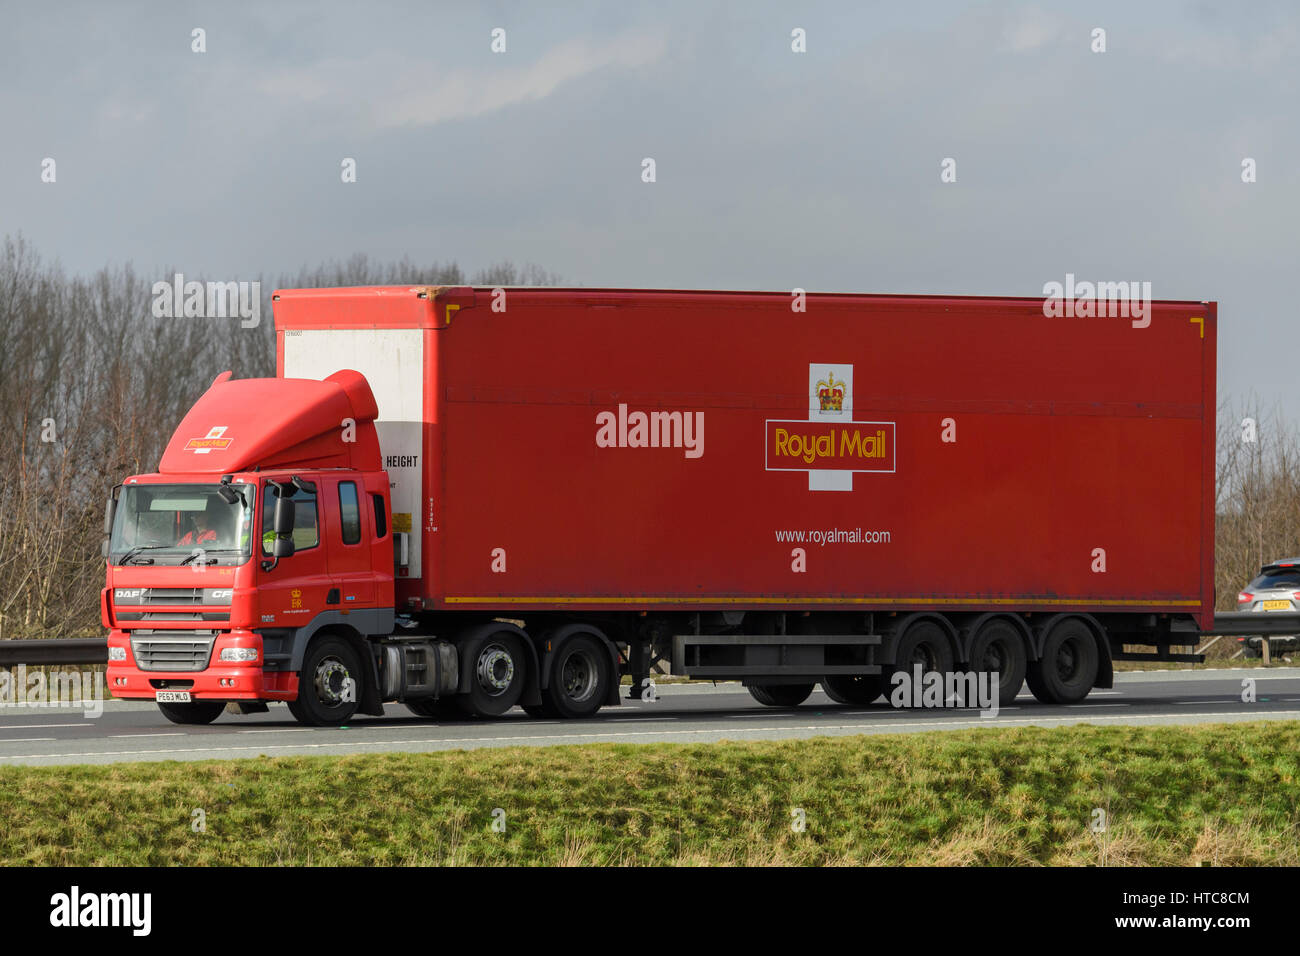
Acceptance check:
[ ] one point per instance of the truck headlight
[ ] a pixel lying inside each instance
(117, 653)
(239, 654)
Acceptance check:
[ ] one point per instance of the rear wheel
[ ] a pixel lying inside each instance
(329, 683)
(924, 644)
(580, 677)
(780, 695)
(195, 712)
(496, 677)
(860, 689)
(1068, 666)
(999, 648)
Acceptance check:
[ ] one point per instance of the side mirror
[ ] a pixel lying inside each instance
(282, 521)
(283, 547)
(110, 512)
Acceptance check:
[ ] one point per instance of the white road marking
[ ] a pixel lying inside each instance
(452, 742)
(284, 730)
(38, 726)
(178, 733)
(1095, 706)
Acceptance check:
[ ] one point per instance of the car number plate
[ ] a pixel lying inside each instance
(173, 697)
(1277, 605)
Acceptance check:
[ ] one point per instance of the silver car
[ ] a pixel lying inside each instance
(1276, 588)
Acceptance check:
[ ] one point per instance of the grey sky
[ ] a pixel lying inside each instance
(775, 169)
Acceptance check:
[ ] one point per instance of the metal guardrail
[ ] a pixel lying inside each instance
(1250, 623)
(63, 650)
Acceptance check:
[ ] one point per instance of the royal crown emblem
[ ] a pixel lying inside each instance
(830, 394)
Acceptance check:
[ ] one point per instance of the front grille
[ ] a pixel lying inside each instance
(173, 615)
(177, 597)
(172, 650)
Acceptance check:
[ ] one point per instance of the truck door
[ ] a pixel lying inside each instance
(296, 589)
(349, 549)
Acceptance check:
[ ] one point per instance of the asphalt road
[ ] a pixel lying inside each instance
(683, 713)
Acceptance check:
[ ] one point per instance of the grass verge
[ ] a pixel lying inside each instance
(1221, 794)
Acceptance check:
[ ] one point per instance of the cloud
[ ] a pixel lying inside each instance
(426, 97)
(1030, 31)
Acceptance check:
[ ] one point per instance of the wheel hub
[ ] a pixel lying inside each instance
(331, 677)
(496, 669)
(577, 677)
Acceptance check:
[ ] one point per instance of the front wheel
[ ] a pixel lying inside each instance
(329, 683)
(196, 712)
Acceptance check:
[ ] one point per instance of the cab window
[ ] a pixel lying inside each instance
(306, 524)
(349, 512)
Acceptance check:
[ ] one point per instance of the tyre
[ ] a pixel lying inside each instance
(329, 684)
(860, 689)
(1068, 666)
(780, 695)
(999, 647)
(196, 712)
(496, 676)
(580, 675)
(542, 710)
(925, 643)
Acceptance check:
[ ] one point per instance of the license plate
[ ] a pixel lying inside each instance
(173, 697)
(1277, 605)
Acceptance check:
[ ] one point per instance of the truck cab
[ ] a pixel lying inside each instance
(267, 524)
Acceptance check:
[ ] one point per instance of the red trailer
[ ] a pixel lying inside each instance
(784, 489)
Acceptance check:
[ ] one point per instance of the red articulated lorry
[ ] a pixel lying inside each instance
(467, 499)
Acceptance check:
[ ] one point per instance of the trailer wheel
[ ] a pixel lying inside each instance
(780, 695)
(195, 712)
(496, 679)
(1068, 666)
(329, 684)
(580, 678)
(860, 689)
(999, 647)
(924, 643)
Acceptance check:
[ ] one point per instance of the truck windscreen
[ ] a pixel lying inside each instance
(182, 524)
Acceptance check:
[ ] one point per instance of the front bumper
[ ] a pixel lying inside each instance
(218, 681)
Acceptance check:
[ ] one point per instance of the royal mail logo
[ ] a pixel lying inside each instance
(830, 395)
(213, 439)
(816, 446)
(826, 446)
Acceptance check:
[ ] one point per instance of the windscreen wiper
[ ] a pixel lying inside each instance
(201, 552)
(138, 548)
